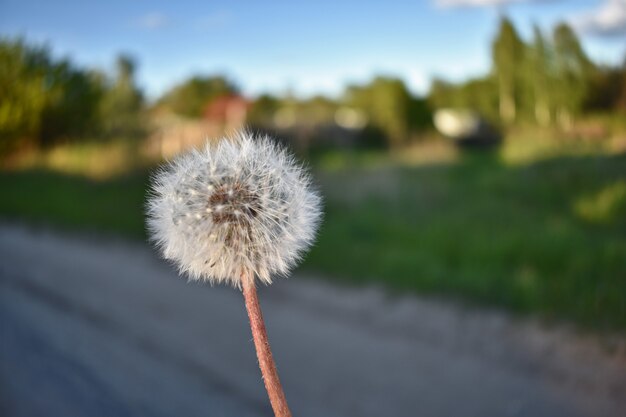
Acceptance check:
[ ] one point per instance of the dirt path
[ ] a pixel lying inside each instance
(93, 327)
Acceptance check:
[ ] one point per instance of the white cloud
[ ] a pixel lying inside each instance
(153, 21)
(478, 3)
(607, 20)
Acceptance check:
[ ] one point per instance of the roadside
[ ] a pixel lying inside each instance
(96, 326)
(545, 238)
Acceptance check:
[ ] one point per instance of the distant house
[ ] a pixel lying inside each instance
(173, 134)
(228, 111)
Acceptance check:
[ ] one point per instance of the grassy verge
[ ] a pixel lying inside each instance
(114, 205)
(548, 237)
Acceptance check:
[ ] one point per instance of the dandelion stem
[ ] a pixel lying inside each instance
(263, 351)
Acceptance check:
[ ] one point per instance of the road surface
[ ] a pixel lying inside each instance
(100, 327)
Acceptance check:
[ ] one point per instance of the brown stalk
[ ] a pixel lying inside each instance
(263, 351)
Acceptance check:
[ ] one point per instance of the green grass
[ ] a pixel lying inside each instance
(503, 236)
(74, 202)
(547, 238)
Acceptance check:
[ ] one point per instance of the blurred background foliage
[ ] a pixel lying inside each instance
(47, 101)
(192, 96)
(537, 224)
(547, 81)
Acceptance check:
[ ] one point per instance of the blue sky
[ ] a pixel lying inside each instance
(312, 47)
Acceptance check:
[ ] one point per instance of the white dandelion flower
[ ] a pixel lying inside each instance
(241, 207)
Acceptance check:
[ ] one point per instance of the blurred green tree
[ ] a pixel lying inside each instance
(620, 102)
(122, 102)
(420, 115)
(262, 110)
(192, 96)
(573, 72)
(478, 94)
(508, 56)
(387, 104)
(547, 80)
(607, 90)
(22, 92)
(42, 100)
(72, 103)
(318, 110)
(540, 78)
(442, 94)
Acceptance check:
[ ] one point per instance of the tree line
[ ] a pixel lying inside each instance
(548, 80)
(45, 100)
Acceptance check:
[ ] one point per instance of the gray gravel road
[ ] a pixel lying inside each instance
(100, 327)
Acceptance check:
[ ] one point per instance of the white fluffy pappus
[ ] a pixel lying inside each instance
(241, 207)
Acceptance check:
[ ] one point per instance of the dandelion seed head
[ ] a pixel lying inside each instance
(241, 204)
